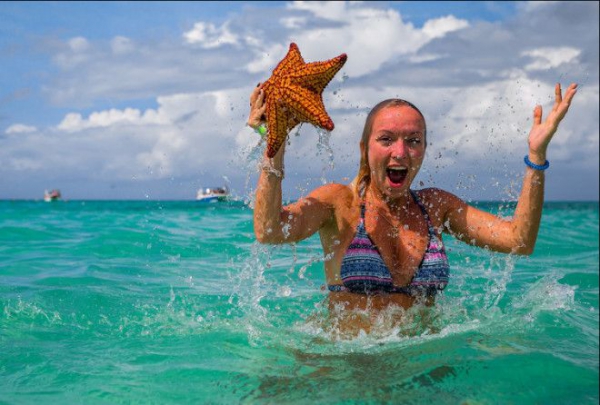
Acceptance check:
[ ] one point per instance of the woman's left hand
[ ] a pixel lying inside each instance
(257, 107)
(542, 132)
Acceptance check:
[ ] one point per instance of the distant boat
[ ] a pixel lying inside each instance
(52, 195)
(213, 194)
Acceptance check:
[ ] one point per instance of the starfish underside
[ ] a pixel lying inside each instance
(293, 94)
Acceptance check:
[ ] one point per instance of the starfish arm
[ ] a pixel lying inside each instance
(307, 106)
(317, 75)
(291, 61)
(277, 123)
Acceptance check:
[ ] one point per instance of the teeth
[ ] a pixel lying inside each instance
(399, 169)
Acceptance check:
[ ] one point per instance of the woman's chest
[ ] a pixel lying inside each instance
(401, 245)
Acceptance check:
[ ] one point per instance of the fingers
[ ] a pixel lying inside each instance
(257, 106)
(557, 94)
(537, 115)
(571, 90)
(262, 107)
(255, 94)
(257, 97)
(261, 97)
(561, 107)
(569, 94)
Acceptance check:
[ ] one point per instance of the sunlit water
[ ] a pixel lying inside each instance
(175, 302)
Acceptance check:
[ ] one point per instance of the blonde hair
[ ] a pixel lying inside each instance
(363, 178)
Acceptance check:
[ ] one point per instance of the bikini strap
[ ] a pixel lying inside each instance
(424, 211)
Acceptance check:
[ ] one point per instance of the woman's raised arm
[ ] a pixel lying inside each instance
(517, 235)
(274, 223)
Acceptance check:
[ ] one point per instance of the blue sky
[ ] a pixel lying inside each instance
(134, 100)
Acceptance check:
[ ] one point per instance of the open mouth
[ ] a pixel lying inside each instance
(397, 175)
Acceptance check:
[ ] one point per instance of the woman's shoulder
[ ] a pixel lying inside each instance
(334, 193)
(438, 199)
(432, 192)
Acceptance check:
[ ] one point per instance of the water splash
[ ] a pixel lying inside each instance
(325, 151)
(547, 294)
(249, 288)
(29, 312)
(251, 157)
(265, 283)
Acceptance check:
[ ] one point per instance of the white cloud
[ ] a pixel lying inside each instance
(550, 58)
(439, 27)
(330, 10)
(186, 132)
(130, 116)
(79, 44)
(267, 59)
(121, 45)
(370, 36)
(209, 36)
(423, 57)
(20, 129)
(293, 22)
(76, 52)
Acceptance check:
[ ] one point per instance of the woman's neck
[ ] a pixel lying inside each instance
(398, 206)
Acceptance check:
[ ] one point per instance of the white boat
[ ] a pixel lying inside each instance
(52, 195)
(213, 194)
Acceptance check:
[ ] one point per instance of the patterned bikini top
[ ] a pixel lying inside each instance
(364, 271)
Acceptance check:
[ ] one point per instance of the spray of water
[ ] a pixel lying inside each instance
(325, 152)
(479, 304)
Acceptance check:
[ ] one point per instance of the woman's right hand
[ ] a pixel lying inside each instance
(257, 107)
(542, 131)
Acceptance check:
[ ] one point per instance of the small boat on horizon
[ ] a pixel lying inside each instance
(213, 194)
(52, 195)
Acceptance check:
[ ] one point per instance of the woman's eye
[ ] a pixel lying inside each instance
(385, 140)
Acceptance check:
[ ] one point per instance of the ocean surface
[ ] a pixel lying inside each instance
(156, 302)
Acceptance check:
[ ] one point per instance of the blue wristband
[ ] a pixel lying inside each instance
(534, 166)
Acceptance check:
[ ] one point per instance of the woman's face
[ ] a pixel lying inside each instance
(396, 149)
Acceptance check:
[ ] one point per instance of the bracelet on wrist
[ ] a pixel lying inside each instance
(534, 166)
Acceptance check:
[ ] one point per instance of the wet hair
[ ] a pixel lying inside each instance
(364, 171)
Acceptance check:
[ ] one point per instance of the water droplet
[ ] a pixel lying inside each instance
(285, 291)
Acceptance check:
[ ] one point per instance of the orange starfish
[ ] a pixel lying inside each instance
(293, 94)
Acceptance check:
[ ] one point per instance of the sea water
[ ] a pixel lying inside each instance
(105, 302)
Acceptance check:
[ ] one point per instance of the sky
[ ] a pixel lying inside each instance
(149, 100)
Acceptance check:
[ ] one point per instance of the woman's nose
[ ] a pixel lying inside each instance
(398, 149)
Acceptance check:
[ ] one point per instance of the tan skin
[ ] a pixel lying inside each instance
(393, 219)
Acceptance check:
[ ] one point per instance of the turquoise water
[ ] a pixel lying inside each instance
(174, 302)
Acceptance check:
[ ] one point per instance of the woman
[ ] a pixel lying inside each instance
(383, 240)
